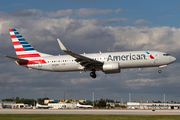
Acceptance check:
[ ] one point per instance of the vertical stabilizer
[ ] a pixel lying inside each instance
(24, 50)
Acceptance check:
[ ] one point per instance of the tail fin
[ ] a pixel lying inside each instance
(24, 50)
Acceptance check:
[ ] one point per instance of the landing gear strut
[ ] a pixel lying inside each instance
(93, 74)
(159, 71)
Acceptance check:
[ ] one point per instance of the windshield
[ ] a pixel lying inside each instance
(166, 55)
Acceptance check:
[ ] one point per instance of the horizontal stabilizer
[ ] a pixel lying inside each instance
(16, 59)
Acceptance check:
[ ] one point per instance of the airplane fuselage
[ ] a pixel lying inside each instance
(130, 59)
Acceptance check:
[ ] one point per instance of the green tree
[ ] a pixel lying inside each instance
(17, 99)
(8, 99)
(68, 101)
(117, 105)
(22, 100)
(41, 100)
(101, 103)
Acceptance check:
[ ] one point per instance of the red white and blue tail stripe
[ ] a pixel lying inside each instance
(24, 50)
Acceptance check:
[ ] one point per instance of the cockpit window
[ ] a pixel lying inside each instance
(165, 54)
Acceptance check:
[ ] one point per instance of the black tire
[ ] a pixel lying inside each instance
(93, 74)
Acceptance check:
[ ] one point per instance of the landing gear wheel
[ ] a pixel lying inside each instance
(93, 74)
(159, 71)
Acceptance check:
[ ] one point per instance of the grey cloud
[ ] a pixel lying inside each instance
(21, 12)
(3, 15)
(141, 21)
(115, 20)
(60, 13)
(37, 12)
(157, 38)
(144, 31)
(83, 12)
(118, 10)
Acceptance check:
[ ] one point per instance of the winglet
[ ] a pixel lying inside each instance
(63, 48)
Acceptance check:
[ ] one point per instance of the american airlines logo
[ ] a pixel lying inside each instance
(150, 55)
(126, 57)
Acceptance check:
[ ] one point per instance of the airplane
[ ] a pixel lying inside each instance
(6, 106)
(83, 106)
(42, 106)
(109, 63)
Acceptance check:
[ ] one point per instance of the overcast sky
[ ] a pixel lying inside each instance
(91, 26)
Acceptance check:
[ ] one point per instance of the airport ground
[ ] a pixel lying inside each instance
(91, 112)
(84, 117)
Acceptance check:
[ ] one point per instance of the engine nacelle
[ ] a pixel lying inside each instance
(110, 68)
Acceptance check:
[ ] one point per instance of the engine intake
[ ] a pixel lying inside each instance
(110, 68)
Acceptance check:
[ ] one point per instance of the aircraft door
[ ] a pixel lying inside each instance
(156, 58)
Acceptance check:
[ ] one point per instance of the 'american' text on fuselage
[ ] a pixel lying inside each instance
(126, 57)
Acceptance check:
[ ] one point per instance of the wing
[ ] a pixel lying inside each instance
(83, 60)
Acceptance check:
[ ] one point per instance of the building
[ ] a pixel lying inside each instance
(114, 104)
(13, 104)
(47, 101)
(138, 105)
(18, 105)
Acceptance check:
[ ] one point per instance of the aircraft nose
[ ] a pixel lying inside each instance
(173, 59)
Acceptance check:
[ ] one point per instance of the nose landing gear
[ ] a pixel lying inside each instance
(159, 71)
(93, 74)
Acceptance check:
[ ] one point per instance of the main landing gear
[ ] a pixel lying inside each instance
(93, 74)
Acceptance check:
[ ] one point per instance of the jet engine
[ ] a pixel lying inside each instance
(110, 68)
